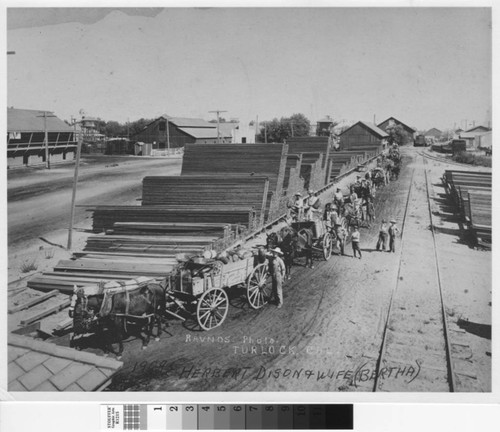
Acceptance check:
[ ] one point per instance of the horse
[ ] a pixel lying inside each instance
(140, 309)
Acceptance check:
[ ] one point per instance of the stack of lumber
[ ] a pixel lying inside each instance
(342, 162)
(312, 145)
(211, 190)
(480, 217)
(312, 171)
(373, 149)
(242, 159)
(104, 217)
(472, 192)
(293, 182)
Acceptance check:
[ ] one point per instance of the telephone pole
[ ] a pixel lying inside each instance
(218, 133)
(75, 182)
(46, 137)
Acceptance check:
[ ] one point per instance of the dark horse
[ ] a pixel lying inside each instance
(293, 243)
(118, 315)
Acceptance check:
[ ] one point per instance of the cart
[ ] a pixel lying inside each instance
(200, 288)
(323, 239)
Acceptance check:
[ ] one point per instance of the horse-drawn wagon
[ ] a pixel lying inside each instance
(317, 236)
(199, 288)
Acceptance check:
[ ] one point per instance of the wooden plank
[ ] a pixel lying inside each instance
(44, 313)
(33, 301)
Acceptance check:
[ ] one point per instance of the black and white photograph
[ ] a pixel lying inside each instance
(249, 199)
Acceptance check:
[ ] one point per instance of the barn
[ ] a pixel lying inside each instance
(171, 132)
(26, 138)
(362, 134)
(391, 122)
(433, 133)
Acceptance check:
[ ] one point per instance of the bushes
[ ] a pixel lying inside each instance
(472, 159)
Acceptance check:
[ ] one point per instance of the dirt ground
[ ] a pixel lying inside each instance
(327, 336)
(39, 205)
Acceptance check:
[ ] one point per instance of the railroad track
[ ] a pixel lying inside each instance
(416, 330)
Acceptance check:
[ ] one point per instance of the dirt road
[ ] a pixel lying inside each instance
(39, 200)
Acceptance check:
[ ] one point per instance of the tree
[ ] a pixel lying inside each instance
(397, 135)
(280, 130)
(115, 129)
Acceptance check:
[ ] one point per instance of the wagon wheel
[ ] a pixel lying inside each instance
(259, 287)
(327, 246)
(212, 308)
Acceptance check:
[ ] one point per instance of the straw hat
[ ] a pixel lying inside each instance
(277, 250)
(298, 194)
(393, 221)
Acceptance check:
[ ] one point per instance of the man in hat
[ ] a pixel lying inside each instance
(382, 236)
(278, 271)
(393, 232)
(338, 199)
(297, 207)
(355, 238)
(312, 205)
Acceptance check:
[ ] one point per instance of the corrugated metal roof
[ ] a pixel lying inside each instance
(199, 133)
(190, 122)
(22, 120)
(375, 129)
(42, 366)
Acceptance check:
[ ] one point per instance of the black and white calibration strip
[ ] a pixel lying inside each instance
(166, 417)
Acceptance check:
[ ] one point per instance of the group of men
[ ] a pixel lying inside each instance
(361, 200)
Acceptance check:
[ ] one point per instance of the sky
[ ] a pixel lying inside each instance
(428, 67)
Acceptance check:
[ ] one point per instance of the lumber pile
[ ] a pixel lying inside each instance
(293, 182)
(472, 193)
(242, 159)
(104, 217)
(308, 145)
(207, 190)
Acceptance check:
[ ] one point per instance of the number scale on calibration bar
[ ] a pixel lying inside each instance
(166, 417)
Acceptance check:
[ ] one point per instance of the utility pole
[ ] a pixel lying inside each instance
(75, 182)
(291, 126)
(256, 127)
(265, 133)
(46, 137)
(218, 133)
(168, 137)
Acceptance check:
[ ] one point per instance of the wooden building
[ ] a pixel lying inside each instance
(172, 132)
(362, 134)
(26, 138)
(391, 122)
(433, 133)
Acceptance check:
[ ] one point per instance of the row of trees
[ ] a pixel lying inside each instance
(278, 130)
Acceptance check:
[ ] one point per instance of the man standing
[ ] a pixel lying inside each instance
(355, 238)
(382, 236)
(297, 207)
(393, 232)
(338, 199)
(277, 273)
(312, 206)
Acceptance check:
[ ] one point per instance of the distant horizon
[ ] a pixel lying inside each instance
(427, 67)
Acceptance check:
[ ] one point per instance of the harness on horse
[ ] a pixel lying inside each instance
(108, 290)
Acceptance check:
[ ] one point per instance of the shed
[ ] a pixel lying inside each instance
(26, 138)
(433, 133)
(392, 121)
(362, 134)
(173, 132)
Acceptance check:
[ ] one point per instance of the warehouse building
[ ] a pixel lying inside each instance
(362, 134)
(172, 132)
(392, 122)
(26, 138)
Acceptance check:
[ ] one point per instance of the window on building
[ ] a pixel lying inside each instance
(162, 125)
(243, 140)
